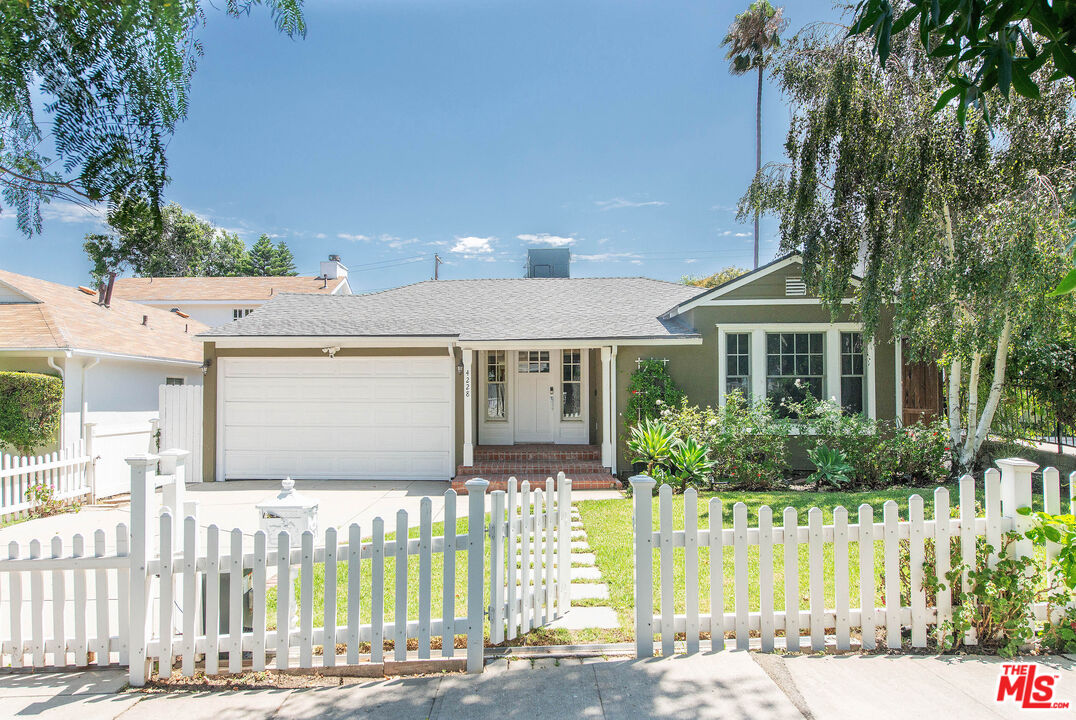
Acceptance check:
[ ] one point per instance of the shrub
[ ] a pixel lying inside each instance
(748, 442)
(879, 453)
(690, 461)
(651, 387)
(30, 408)
(831, 467)
(45, 502)
(651, 443)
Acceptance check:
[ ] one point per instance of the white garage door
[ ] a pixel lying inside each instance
(344, 417)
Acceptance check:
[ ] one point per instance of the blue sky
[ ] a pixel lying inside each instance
(401, 128)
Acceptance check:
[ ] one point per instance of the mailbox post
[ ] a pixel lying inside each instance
(292, 513)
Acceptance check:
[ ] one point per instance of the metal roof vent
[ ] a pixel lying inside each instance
(795, 286)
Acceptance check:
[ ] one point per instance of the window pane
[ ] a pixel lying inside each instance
(816, 342)
(738, 384)
(852, 394)
(745, 366)
(570, 400)
(773, 343)
(495, 401)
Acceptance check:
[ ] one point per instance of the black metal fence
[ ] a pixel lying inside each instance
(1025, 414)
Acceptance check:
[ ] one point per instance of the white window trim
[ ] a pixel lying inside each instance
(831, 386)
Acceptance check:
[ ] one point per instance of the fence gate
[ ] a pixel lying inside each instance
(864, 558)
(165, 591)
(180, 411)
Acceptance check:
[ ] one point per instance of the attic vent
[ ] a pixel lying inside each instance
(795, 286)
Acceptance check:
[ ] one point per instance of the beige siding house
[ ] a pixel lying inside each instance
(454, 378)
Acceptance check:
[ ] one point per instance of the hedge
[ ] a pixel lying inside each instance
(31, 405)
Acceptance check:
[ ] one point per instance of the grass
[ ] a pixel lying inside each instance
(608, 524)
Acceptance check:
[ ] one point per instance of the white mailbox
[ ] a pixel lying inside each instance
(288, 512)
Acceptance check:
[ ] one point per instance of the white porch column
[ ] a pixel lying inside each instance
(608, 387)
(832, 390)
(757, 349)
(614, 424)
(468, 407)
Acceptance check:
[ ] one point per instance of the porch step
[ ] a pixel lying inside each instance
(532, 467)
(537, 453)
(587, 481)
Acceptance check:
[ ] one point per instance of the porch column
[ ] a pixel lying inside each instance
(607, 405)
(468, 408)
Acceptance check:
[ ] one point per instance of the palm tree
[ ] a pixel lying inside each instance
(751, 37)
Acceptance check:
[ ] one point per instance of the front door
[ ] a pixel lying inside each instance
(535, 396)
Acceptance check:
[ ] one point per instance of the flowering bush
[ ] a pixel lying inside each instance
(748, 442)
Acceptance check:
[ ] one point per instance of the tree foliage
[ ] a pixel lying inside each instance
(960, 224)
(30, 408)
(711, 281)
(751, 41)
(183, 246)
(115, 79)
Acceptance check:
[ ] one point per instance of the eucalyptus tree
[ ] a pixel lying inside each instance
(113, 80)
(958, 226)
(751, 41)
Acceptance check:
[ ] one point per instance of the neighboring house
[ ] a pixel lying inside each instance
(112, 358)
(414, 382)
(218, 300)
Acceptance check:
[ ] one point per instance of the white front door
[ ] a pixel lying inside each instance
(535, 395)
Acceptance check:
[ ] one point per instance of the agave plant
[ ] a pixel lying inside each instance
(691, 460)
(831, 467)
(651, 442)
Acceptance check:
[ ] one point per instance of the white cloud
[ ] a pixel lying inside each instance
(742, 234)
(607, 257)
(617, 203)
(320, 236)
(690, 260)
(69, 212)
(473, 245)
(352, 238)
(546, 239)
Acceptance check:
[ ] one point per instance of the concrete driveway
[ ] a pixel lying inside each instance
(232, 505)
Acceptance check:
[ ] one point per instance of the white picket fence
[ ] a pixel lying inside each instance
(1004, 493)
(179, 409)
(144, 606)
(68, 472)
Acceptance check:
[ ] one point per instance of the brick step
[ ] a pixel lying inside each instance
(532, 468)
(589, 481)
(537, 453)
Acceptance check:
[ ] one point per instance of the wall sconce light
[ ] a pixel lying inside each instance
(331, 351)
(206, 364)
(459, 368)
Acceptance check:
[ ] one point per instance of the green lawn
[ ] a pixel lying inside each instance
(608, 524)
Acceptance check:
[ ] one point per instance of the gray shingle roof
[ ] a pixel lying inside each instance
(510, 309)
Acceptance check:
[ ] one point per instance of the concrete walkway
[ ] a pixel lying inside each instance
(722, 685)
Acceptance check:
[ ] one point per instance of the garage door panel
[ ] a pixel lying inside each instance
(376, 417)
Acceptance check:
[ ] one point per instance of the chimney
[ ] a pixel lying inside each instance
(333, 269)
(549, 262)
(108, 290)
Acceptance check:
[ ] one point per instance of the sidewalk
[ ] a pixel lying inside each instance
(723, 685)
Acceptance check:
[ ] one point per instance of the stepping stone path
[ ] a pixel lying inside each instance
(585, 585)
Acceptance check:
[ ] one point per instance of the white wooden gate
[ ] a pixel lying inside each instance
(180, 411)
(1005, 492)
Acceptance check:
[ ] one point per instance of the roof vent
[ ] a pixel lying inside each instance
(795, 286)
(145, 319)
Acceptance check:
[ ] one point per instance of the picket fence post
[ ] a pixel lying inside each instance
(1016, 494)
(142, 471)
(564, 543)
(476, 570)
(642, 492)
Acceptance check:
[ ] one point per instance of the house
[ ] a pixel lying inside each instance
(464, 377)
(112, 355)
(218, 300)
